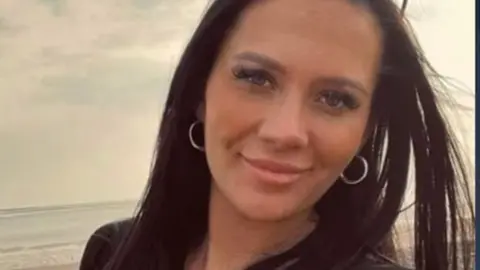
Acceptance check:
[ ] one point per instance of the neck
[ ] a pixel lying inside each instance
(235, 242)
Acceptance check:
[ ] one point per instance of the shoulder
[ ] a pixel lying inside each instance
(377, 262)
(102, 243)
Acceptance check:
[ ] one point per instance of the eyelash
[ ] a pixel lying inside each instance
(346, 100)
(251, 76)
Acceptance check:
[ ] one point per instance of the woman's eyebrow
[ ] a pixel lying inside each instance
(262, 60)
(340, 82)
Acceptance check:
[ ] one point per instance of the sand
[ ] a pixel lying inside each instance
(58, 267)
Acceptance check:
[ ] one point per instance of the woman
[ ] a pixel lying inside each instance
(286, 142)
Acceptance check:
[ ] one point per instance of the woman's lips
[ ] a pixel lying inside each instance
(273, 172)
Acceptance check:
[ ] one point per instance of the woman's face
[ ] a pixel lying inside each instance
(287, 103)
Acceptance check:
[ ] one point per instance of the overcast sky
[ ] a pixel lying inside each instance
(82, 85)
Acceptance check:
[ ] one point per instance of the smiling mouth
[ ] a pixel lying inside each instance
(273, 172)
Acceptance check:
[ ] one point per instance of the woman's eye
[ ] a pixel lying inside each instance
(338, 100)
(254, 76)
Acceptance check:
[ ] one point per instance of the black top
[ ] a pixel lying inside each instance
(104, 240)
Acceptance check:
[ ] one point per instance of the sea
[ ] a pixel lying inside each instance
(43, 237)
(54, 237)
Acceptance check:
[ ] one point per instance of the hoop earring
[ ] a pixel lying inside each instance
(190, 136)
(359, 180)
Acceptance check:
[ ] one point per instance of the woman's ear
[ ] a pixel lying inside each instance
(200, 112)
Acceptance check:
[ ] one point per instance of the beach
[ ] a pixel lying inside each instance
(52, 238)
(58, 267)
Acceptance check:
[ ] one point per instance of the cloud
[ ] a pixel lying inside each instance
(108, 82)
(83, 85)
(57, 7)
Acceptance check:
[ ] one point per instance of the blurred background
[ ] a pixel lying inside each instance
(82, 87)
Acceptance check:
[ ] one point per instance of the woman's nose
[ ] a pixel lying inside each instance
(284, 126)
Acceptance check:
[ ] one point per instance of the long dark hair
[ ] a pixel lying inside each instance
(407, 128)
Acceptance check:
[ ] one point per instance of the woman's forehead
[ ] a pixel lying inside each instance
(317, 37)
(310, 13)
(308, 21)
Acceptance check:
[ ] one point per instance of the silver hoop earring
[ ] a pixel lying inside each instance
(190, 136)
(364, 175)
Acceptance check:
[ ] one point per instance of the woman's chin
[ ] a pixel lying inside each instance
(265, 210)
(258, 205)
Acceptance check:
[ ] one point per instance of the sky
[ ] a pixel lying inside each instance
(82, 86)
